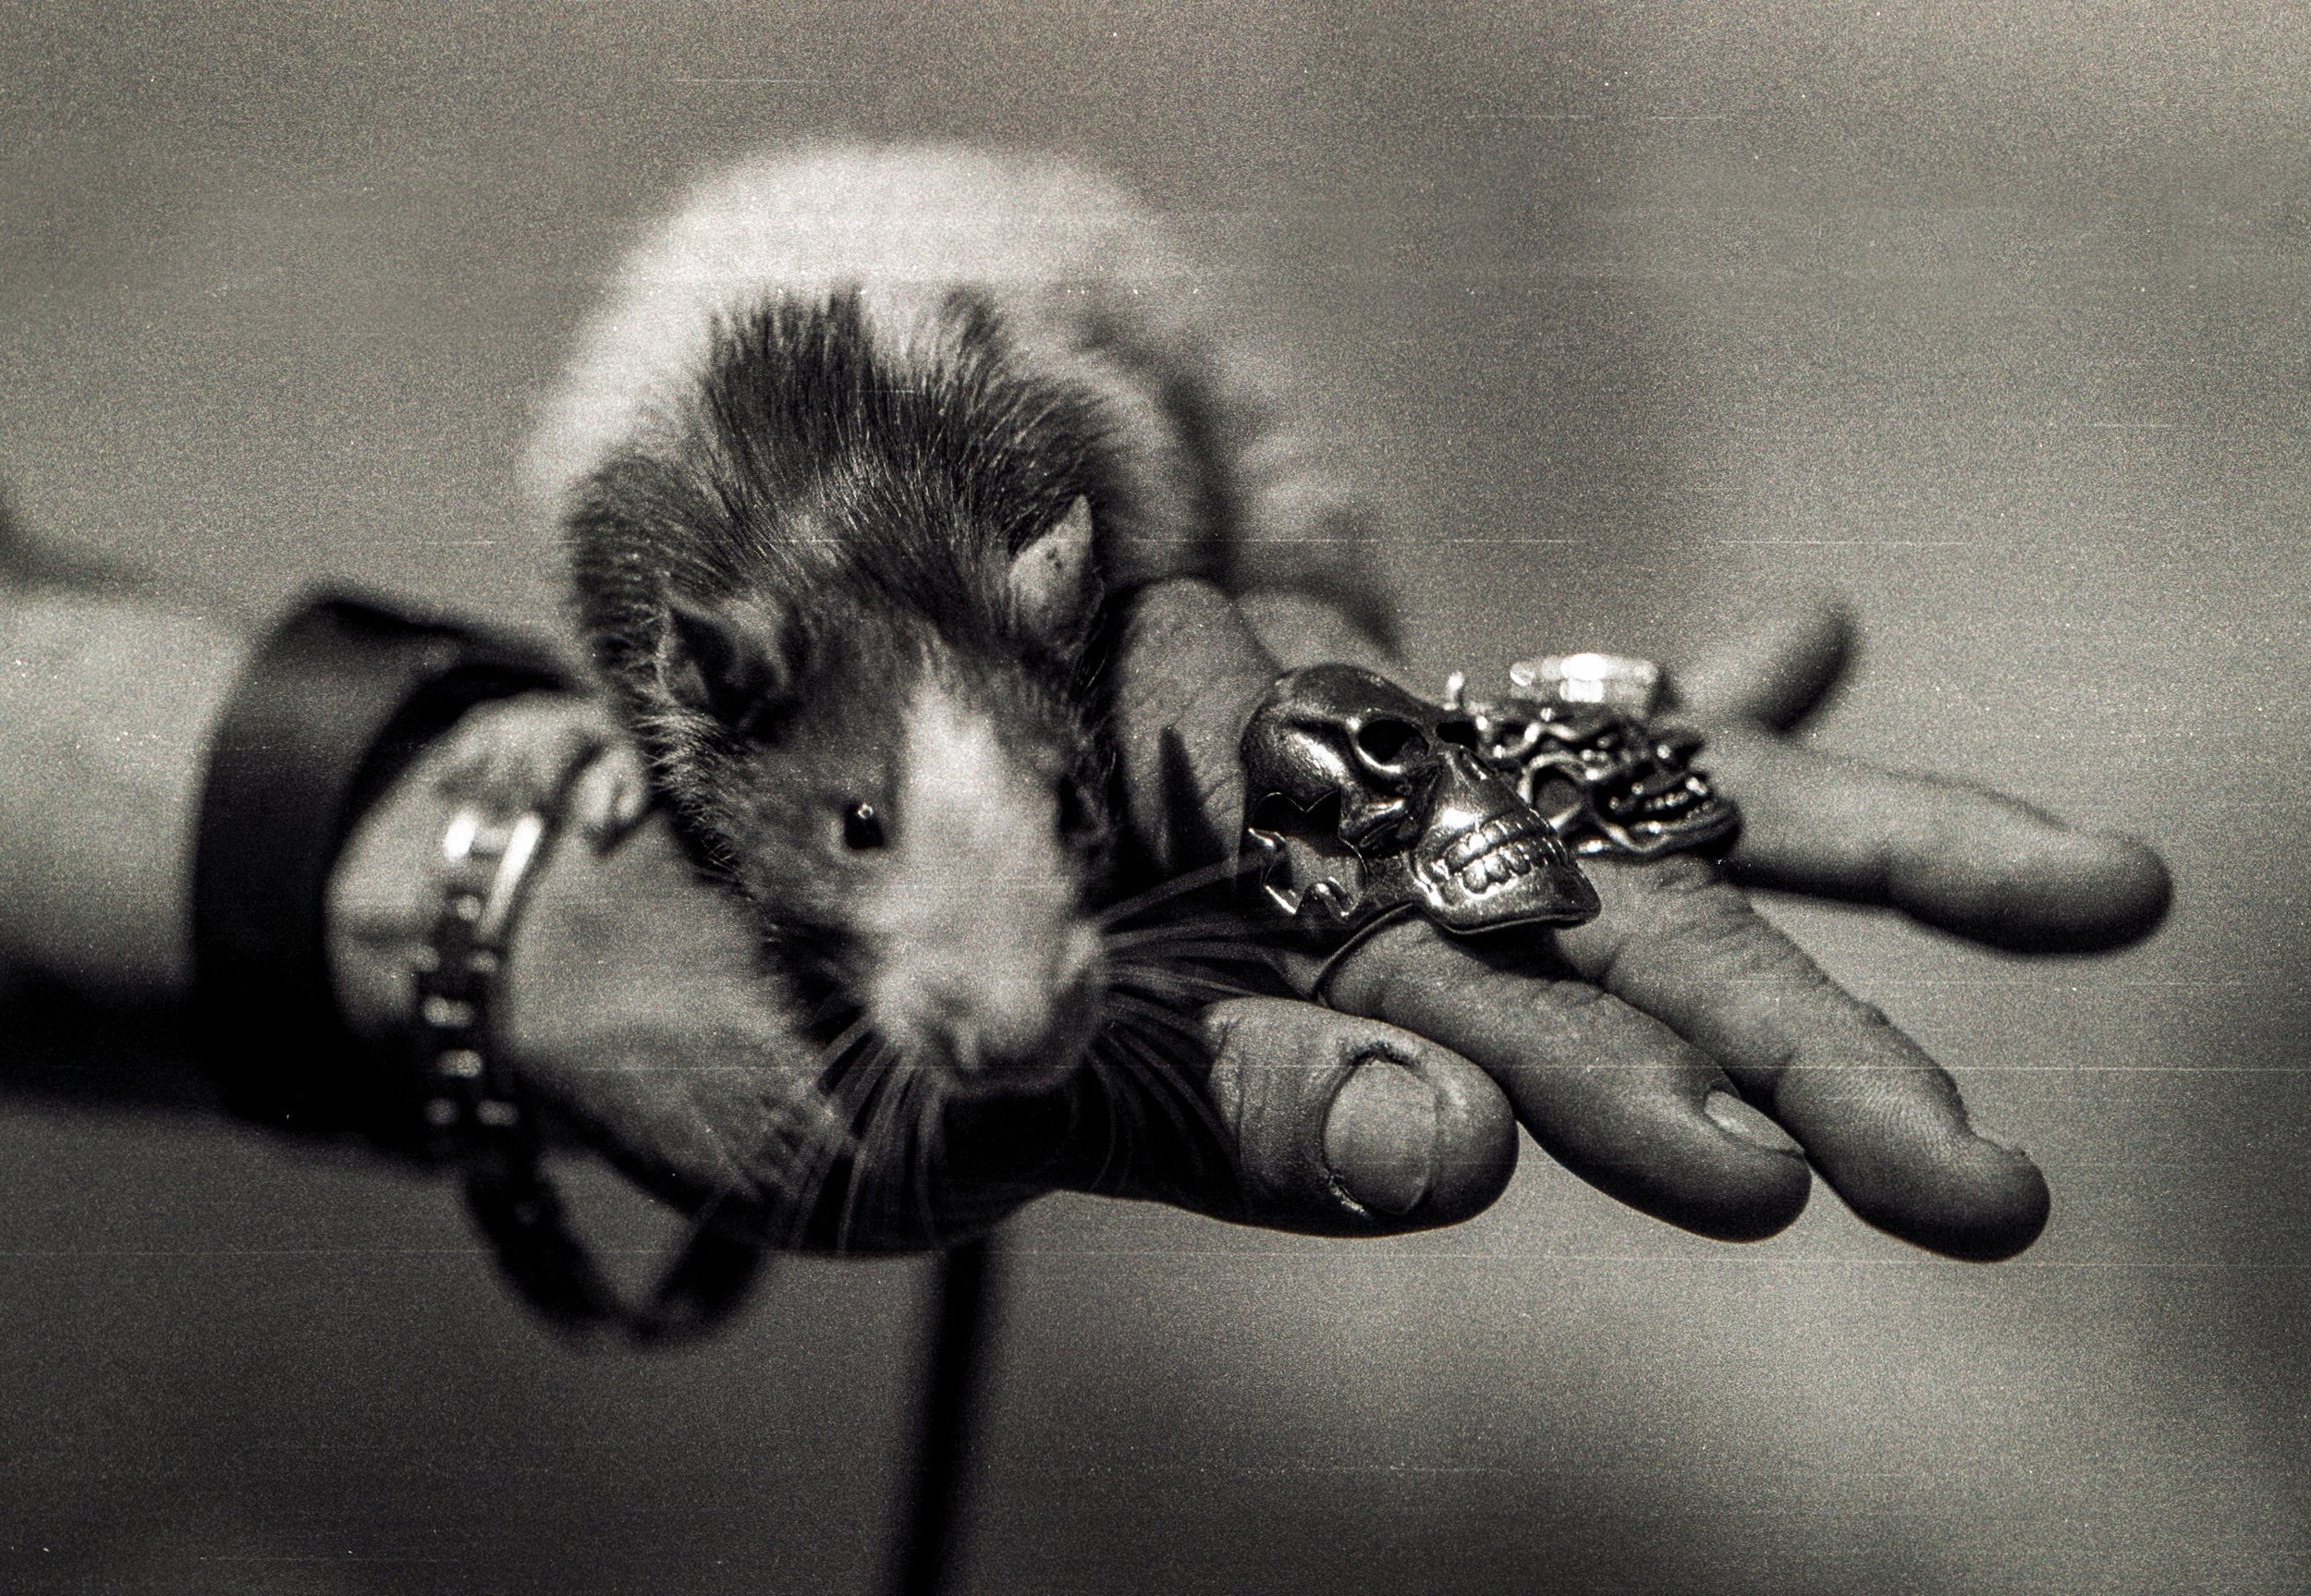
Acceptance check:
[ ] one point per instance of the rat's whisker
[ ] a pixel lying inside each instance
(1215, 952)
(1155, 1087)
(1180, 987)
(1166, 1019)
(920, 1135)
(868, 1169)
(1215, 925)
(828, 1152)
(802, 1142)
(1178, 886)
(1102, 1087)
(837, 1060)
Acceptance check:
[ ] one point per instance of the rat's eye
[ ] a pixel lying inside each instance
(863, 828)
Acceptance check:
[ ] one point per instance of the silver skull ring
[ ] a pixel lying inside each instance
(1577, 738)
(1363, 802)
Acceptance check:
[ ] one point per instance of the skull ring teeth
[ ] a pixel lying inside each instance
(1363, 803)
(1579, 747)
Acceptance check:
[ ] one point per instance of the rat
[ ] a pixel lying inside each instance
(852, 466)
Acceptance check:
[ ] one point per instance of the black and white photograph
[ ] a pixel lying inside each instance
(1178, 796)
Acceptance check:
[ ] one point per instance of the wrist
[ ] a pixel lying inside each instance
(379, 903)
(333, 710)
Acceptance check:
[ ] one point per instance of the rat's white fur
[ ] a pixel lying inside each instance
(974, 919)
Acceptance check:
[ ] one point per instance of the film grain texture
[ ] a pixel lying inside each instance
(1991, 318)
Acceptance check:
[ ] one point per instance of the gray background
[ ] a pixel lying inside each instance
(1992, 317)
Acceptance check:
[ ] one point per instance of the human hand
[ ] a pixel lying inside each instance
(1640, 1049)
(637, 1008)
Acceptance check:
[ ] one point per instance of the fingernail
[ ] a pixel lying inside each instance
(1380, 1137)
(1735, 1117)
(1995, 1139)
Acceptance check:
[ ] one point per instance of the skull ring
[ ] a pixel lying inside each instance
(1363, 803)
(1577, 742)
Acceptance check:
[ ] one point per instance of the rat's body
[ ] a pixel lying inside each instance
(849, 463)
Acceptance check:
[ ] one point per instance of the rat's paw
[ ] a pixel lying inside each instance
(544, 751)
(519, 753)
(611, 794)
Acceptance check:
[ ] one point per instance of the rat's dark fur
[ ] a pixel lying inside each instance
(860, 519)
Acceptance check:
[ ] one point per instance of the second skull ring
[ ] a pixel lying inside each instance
(1578, 746)
(1366, 802)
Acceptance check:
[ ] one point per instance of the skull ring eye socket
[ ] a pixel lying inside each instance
(1363, 803)
(1390, 744)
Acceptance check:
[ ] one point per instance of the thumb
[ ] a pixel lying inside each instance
(1338, 1126)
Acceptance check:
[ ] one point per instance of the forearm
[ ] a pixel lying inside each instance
(107, 708)
(116, 709)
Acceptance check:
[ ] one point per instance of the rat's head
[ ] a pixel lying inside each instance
(910, 795)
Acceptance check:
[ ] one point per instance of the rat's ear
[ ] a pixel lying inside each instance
(729, 661)
(1054, 586)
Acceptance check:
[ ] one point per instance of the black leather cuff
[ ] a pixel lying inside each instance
(333, 705)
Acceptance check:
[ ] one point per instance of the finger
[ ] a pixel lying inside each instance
(635, 1012)
(517, 753)
(1946, 853)
(1617, 1098)
(1189, 672)
(1779, 670)
(631, 799)
(1307, 1120)
(1880, 1119)
(1300, 629)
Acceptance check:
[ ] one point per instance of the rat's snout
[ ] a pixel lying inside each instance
(1012, 1008)
(976, 954)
